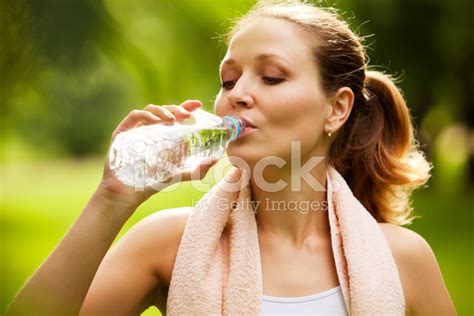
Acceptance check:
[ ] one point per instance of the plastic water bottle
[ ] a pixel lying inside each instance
(150, 154)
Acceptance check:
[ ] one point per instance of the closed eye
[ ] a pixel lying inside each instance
(227, 85)
(272, 80)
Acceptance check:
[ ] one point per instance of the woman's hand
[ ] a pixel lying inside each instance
(111, 188)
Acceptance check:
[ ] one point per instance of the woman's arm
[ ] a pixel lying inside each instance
(60, 284)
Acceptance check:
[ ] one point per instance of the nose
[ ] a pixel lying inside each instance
(240, 95)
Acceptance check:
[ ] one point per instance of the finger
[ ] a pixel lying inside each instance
(161, 111)
(179, 111)
(191, 105)
(138, 116)
(135, 117)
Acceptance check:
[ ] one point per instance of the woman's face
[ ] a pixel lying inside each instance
(269, 77)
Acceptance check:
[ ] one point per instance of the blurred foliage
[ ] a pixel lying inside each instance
(76, 67)
(80, 66)
(72, 69)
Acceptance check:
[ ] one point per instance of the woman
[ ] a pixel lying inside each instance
(296, 72)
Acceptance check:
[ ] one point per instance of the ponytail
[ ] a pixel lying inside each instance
(377, 154)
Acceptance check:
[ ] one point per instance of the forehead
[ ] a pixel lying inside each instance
(269, 36)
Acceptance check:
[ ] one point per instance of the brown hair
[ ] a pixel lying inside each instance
(375, 150)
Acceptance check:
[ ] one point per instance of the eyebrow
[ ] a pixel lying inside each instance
(258, 57)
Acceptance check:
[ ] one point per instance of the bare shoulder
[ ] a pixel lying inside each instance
(162, 226)
(422, 281)
(154, 240)
(402, 240)
(168, 220)
(163, 230)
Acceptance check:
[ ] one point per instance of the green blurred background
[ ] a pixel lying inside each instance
(72, 69)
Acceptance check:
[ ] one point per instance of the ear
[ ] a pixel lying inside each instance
(340, 109)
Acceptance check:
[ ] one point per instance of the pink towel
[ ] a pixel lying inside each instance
(218, 270)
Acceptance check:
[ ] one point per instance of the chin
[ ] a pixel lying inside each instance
(247, 156)
(242, 155)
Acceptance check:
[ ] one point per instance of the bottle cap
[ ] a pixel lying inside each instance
(237, 125)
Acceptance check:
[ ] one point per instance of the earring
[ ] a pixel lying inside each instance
(329, 132)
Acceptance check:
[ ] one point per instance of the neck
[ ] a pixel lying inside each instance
(293, 214)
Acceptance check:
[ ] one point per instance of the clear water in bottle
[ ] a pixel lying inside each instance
(144, 156)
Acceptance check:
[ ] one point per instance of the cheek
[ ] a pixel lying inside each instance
(299, 101)
(297, 118)
(303, 131)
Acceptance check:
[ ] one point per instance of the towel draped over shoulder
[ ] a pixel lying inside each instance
(217, 270)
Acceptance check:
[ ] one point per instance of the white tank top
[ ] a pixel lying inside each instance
(330, 302)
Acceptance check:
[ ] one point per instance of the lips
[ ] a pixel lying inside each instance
(248, 127)
(248, 123)
(247, 131)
